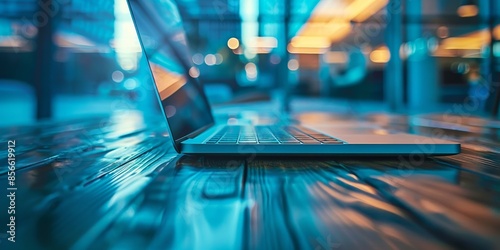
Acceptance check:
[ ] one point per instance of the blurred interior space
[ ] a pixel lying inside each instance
(64, 59)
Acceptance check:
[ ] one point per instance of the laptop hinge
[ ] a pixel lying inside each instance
(194, 134)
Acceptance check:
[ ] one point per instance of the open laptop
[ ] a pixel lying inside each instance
(189, 117)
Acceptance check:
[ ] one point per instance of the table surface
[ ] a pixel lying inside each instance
(117, 183)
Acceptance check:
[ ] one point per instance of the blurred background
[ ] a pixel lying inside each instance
(66, 59)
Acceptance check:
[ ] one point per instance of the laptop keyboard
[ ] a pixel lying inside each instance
(270, 135)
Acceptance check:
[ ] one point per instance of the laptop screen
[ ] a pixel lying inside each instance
(164, 41)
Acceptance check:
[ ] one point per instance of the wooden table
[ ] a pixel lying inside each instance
(116, 183)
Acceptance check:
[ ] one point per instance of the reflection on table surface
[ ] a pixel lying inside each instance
(116, 183)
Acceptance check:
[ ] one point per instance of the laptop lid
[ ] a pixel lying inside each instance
(163, 41)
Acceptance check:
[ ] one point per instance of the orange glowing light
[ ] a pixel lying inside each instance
(468, 10)
(338, 57)
(233, 43)
(380, 55)
(472, 41)
(496, 32)
(361, 10)
(330, 22)
(310, 42)
(294, 50)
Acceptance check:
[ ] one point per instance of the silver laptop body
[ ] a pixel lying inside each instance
(191, 123)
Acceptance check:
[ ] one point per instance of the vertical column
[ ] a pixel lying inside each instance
(283, 66)
(393, 81)
(423, 84)
(44, 63)
(486, 62)
(494, 64)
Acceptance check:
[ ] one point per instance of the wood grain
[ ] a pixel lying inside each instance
(99, 184)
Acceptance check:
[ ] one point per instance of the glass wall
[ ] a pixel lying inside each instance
(421, 56)
(71, 58)
(64, 59)
(449, 53)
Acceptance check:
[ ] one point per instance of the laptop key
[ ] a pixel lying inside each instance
(332, 142)
(311, 142)
(271, 136)
(290, 142)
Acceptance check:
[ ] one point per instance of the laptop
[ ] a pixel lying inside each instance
(191, 124)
